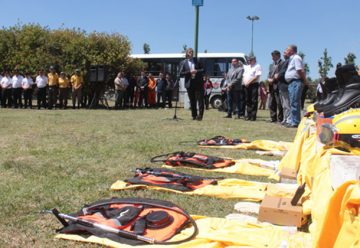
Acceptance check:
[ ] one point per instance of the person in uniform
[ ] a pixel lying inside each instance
(27, 84)
(41, 82)
(63, 90)
(53, 82)
(76, 83)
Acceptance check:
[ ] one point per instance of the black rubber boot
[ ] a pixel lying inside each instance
(331, 89)
(349, 92)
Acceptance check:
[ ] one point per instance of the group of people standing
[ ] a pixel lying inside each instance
(52, 89)
(241, 86)
(286, 79)
(143, 91)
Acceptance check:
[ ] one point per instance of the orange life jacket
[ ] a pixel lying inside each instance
(170, 179)
(221, 141)
(156, 219)
(193, 159)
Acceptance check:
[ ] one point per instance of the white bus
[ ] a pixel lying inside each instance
(215, 65)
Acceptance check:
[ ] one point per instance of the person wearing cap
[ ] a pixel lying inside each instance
(41, 82)
(27, 84)
(53, 81)
(6, 99)
(276, 110)
(16, 86)
(251, 79)
(76, 83)
(296, 78)
(63, 90)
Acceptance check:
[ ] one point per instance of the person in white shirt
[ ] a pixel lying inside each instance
(121, 83)
(27, 84)
(41, 83)
(6, 99)
(251, 79)
(16, 81)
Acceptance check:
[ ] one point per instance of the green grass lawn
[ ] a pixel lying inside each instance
(67, 158)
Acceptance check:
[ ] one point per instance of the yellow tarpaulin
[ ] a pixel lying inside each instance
(220, 232)
(264, 145)
(226, 188)
(251, 167)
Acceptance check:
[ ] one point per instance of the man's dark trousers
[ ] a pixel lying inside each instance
(196, 97)
(252, 94)
(276, 110)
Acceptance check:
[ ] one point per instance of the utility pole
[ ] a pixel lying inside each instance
(197, 4)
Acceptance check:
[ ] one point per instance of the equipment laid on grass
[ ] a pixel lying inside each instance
(193, 159)
(170, 179)
(132, 221)
(221, 141)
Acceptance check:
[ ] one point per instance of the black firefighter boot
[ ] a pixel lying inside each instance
(349, 92)
(331, 89)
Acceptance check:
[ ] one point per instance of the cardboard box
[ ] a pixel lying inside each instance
(279, 211)
(281, 189)
(287, 173)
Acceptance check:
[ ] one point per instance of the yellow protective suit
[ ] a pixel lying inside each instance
(264, 145)
(341, 224)
(292, 158)
(219, 233)
(226, 188)
(321, 186)
(250, 167)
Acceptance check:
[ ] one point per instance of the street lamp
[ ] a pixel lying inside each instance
(252, 19)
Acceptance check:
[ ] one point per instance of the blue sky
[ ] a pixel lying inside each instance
(167, 25)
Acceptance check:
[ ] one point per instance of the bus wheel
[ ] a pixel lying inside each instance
(216, 102)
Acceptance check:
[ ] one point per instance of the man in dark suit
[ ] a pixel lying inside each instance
(276, 110)
(193, 73)
(283, 89)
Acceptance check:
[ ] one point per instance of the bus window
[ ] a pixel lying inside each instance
(220, 66)
(154, 68)
(208, 65)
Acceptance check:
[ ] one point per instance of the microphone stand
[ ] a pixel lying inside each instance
(177, 84)
(175, 118)
(177, 100)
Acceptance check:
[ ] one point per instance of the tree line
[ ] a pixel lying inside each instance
(31, 47)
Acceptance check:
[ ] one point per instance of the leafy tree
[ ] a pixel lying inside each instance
(325, 64)
(146, 48)
(32, 47)
(350, 58)
(306, 66)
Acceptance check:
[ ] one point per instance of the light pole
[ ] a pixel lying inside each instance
(196, 4)
(252, 19)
